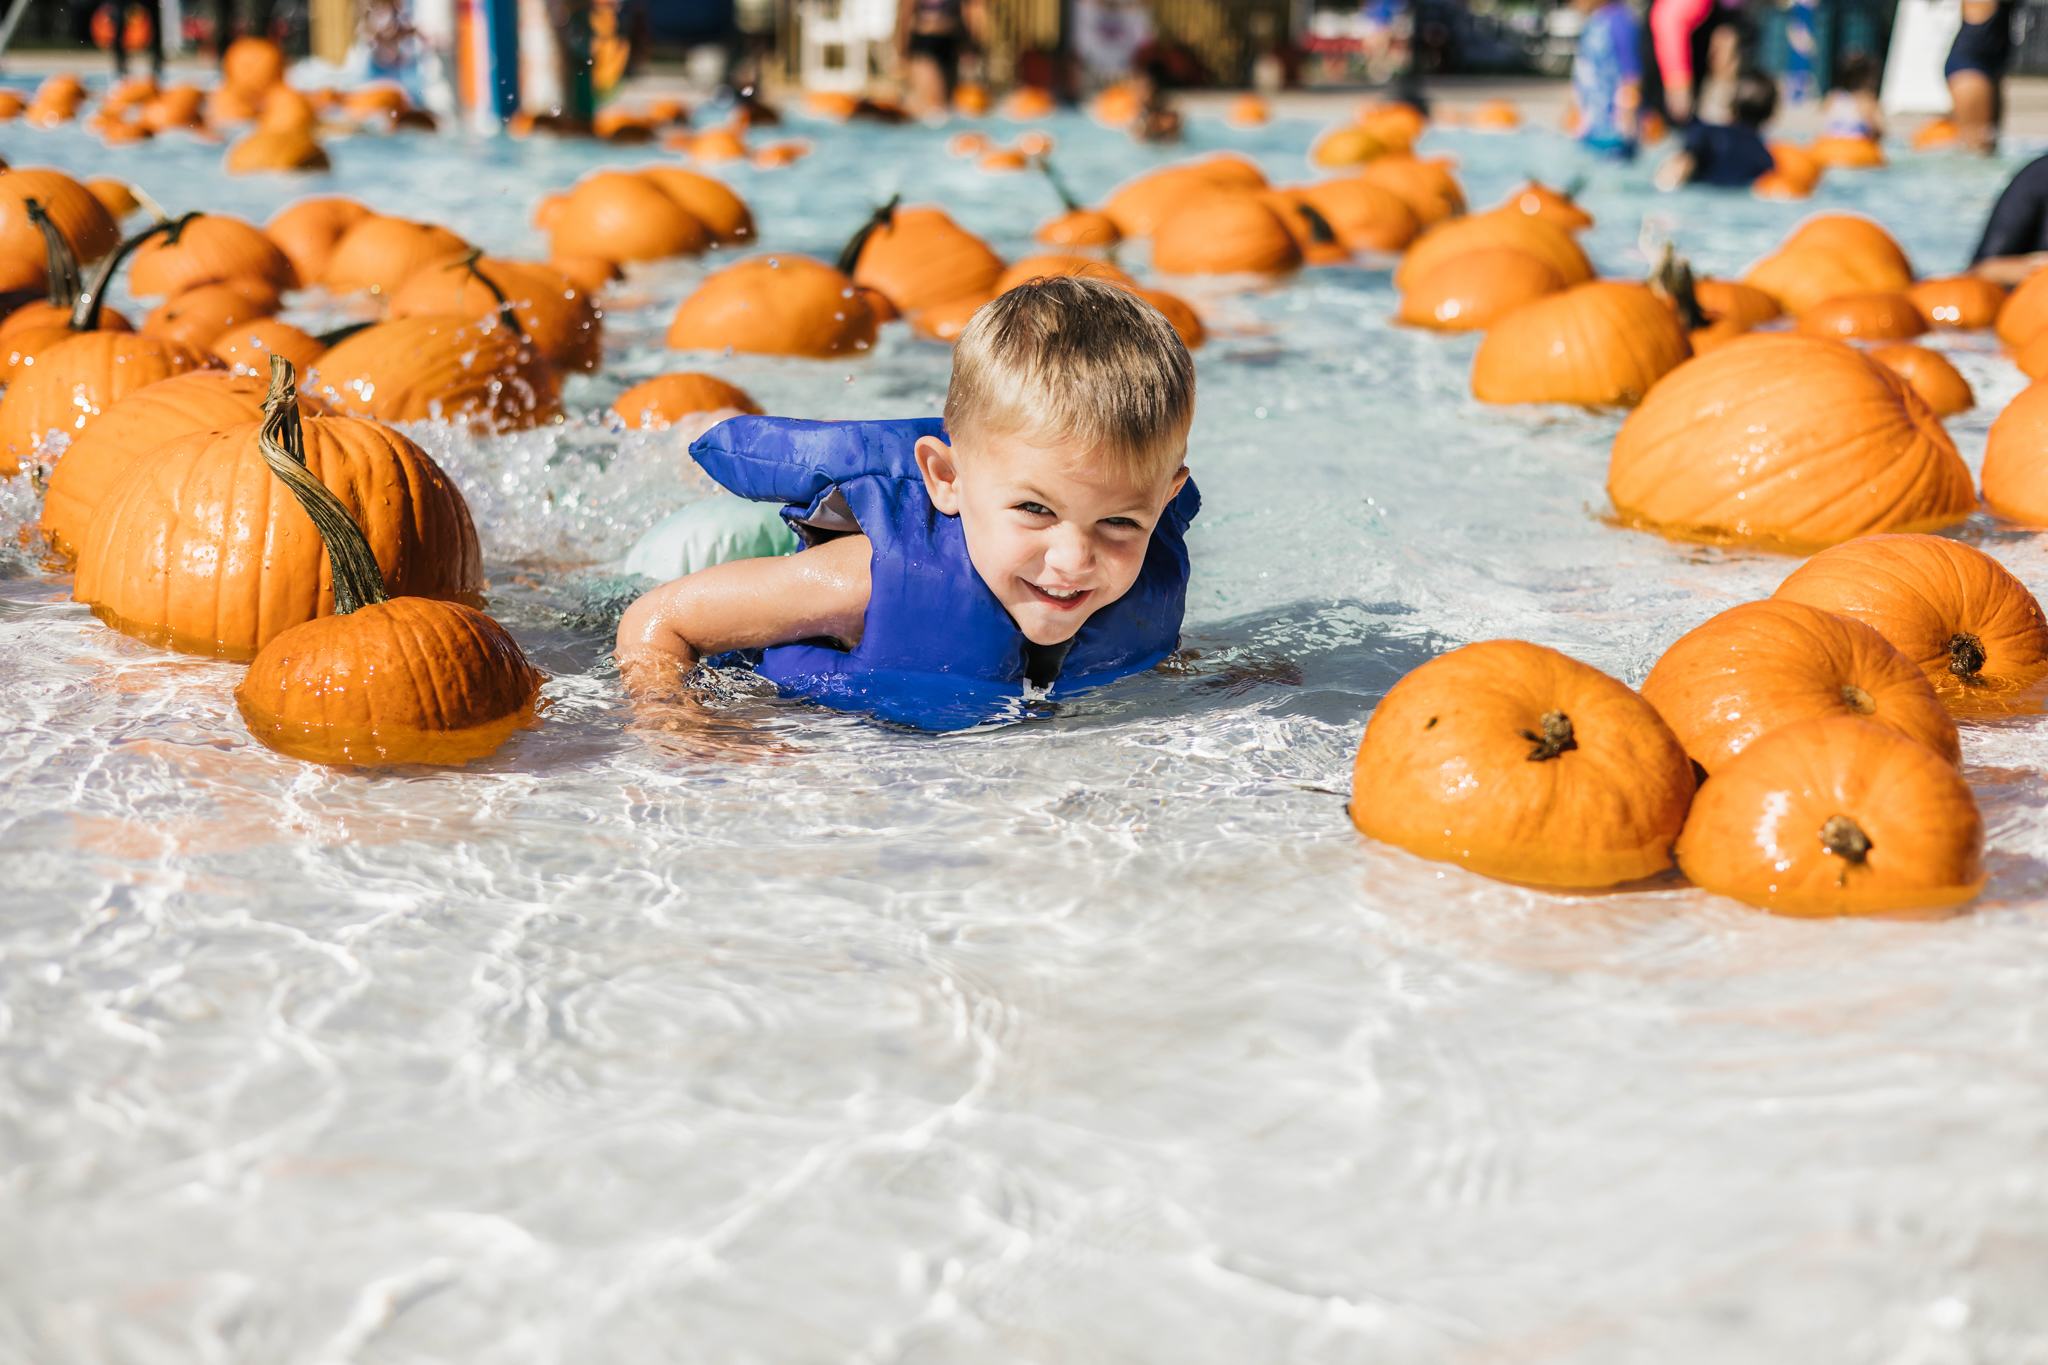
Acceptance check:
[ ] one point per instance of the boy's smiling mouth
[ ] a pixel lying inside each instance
(1059, 600)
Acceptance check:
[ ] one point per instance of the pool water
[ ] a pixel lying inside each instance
(1098, 1038)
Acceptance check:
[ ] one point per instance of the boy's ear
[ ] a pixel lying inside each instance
(1180, 478)
(935, 461)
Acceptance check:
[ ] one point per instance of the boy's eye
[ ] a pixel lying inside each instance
(1122, 523)
(1034, 509)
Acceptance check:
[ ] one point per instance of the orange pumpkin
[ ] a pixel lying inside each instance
(1836, 817)
(1795, 171)
(178, 106)
(285, 110)
(199, 401)
(2022, 317)
(1935, 134)
(1079, 227)
(625, 217)
(1847, 153)
(774, 155)
(207, 248)
(380, 101)
(775, 305)
(1788, 442)
(1314, 238)
(1179, 314)
(1003, 160)
(1247, 111)
(1765, 665)
(1042, 267)
(968, 144)
(1864, 317)
(1224, 232)
(1733, 302)
(1829, 256)
(271, 150)
(199, 549)
(195, 317)
(1972, 629)
(116, 196)
(1396, 123)
(971, 100)
(1365, 216)
(227, 107)
(1028, 102)
(558, 320)
(379, 254)
(1426, 184)
(725, 215)
(2016, 459)
(246, 348)
(81, 218)
(668, 398)
(444, 368)
(1139, 205)
(587, 273)
(946, 321)
(1547, 242)
(307, 231)
(1473, 291)
(918, 257)
(2032, 356)
(44, 322)
(1540, 201)
(251, 66)
(1346, 146)
(1495, 116)
(1960, 302)
(719, 144)
(1517, 762)
(1601, 344)
(1938, 383)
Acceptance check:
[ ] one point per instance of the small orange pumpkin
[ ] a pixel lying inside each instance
(971, 100)
(307, 230)
(207, 248)
(1545, 241)
(666, 399)
(1517, 762)
(1346, 146)
(1179, 314)
(587, 273)
(1557, 206)
(1934, 135)
(445, 368)
(195, 317)
(1473, 291)
(558, 319)
(1940, 385)
(775, 305)
(1887, 316)
(1731, 301)
(725, 215)
(1426, 184)
(117, 196)
(1224, 232)
(918, 257)
(246, 348)
(1601, 344)
(379, 254)
(1958, 302)
(1079, 227)
(82, 219)
(1788, 442)
(1247, 111)
(625, 217)
(1365, 216)
(1495, 116)
(1841, 153)
(1972, 629)
(1836, 817)
(276, 150)
(1028, 102)
(2016, 459)
(251, 66)
(1763, 665)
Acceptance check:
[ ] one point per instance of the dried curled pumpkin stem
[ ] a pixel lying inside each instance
(1059, 186)
(1319, 230)
(1557, 737)
(1965, 656)
(63, 261)
(1857, 700)
(1673, 279)
(357, 580)
(849, 257)
(156, 211)
(505, 308)
(1845, 839)
(85, 314)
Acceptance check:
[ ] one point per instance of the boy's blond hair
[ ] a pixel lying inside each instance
(1077, 361)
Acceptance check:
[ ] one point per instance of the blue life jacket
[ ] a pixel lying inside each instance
(937, 651)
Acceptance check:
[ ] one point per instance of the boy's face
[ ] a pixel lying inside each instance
(1055, 536)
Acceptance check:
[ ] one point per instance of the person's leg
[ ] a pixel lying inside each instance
(120, 43)
(1975, 97)
(927, 81)
(155, 10)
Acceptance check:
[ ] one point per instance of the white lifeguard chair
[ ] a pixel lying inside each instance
(843, 44)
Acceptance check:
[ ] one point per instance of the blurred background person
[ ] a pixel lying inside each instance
(1976, 72)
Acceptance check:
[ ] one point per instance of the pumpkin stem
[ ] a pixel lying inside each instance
(63, 267)
(1574, 187)
(849, 257)
(85, 313)
(505, 309)
(1673, 279)
(1557, 737)
(335, 336)
(1859, 701)
(1845, 839)
(1059, 186)
(149, 206)
(1319, 230)
(357, 580)
(1965, 656)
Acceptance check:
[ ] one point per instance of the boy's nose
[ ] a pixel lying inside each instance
(1071, 552)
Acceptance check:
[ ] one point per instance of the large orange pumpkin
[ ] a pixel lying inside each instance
(83, 220)
(1940, 385)
(1224, 232)
(199, 548)
(1789, 442)
(918, 257)
(724, 214)
(1958, 614)
(384, 679)
(1365, 216)
(668, 398)
(1140, 204)
(625, 217)
(1764, 665)
(1959, 302)
(1886, 316)
(2023, 315)
(1829, 256)
(307, 230)
(197, 316)
(1836, 817)
(1547, 242)
(1426, 184)
(379, 254)
(46, 321)
(558, 319)
(2016, 459)
(1473, 291)
(1517, 762)
(775, 305)
(202, 400)
(1601, 344)
(444, 368)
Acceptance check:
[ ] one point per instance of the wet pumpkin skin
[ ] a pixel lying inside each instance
(208, 249)
(70, 383)
(1960, 303)
(1602, 344)
(667, 398)
(441, 367)
(1520, 763)
(918, 258)
(1836, 816)
(1545, 241)
(1940, 385)
(775, 305)
(307, 230)
(1975, 632)
(1761, 666)
(1470, 293)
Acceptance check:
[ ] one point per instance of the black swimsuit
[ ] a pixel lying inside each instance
(1983, 48)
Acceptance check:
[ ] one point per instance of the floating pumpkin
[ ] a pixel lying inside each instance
(725, 215)
(177, 107)
(1315, 239)
(1935, 134)
(557, 319)
(1836, 817)
(1764, 665)
(444, 368)
(1140, 204)
(1940, 385)
(1959, 302)
(285, 110)
(197, 548)
(1888, 316)
(385, 679)
(1079, 227)
(1179, 314)
(1426, 184)
(246, 348)
(719, 144)
(1547, 242)
(307, 231)
(587, 273)
(1247, 111)
(227, 107)
(1364, 216)
(1028, 102)
(1795, 173)
(946, 321)
(379, 254)
(1003, 160)
(2016, 459)
(197, 316)
(152, 416)
(207, 248)
(971, 100)
(1517, 762)
(251, 66)
(43, 322)
(774, 155)
(1972, 629)
(1601, 344)
(1473, 291)
(2022, 317)
(1842, 153)
(970, 144)
(1396, 123)
(1785, 441)
(1556, 206)
(2032, 356)
(1731, 301)
(918, 257)
(116, 196)
(775, 305)
(668, 398)
(1829, 256)
(268, 150)
(625, 217)
(1224, 233)
(82, 219)
(1346, 146)
(381, 101)
(1049, 266)
(1115, 105)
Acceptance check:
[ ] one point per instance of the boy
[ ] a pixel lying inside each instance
(1041, 547)
(1728, 155)
(1607, 79)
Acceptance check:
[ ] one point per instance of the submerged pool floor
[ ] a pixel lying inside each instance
(1097, 1039)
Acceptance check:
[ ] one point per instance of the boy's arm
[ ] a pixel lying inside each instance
(821, 592)
(1676, 171)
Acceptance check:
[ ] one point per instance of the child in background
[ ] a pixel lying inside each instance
(1727, 155)
(1852, 109)
(1607, 78)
